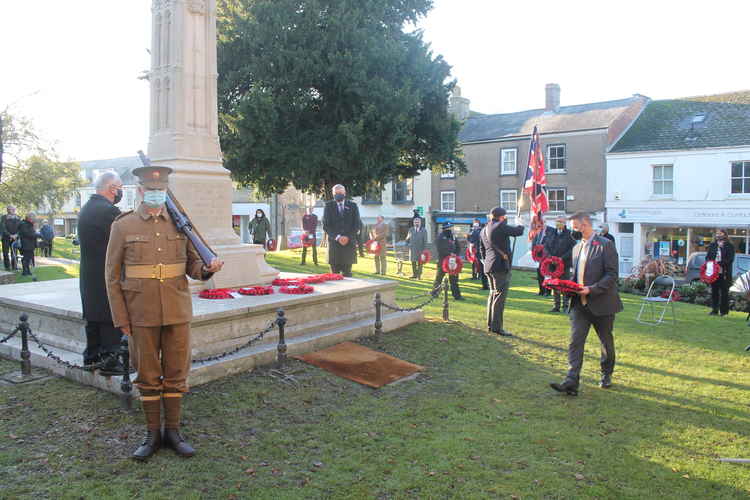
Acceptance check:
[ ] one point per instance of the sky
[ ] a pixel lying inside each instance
(72, 65)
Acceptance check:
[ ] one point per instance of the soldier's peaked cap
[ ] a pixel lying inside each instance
(153, 177)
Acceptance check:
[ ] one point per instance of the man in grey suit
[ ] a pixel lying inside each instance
(417, 241)
(595, 264)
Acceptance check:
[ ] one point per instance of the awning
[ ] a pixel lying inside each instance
(460, 220)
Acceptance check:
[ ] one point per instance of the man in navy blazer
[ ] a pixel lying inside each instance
(341, 223)
(595, 266)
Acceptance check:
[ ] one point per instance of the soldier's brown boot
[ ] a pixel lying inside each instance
(172, 437)
(152, 442)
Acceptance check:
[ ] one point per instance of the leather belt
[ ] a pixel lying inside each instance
(157, 271)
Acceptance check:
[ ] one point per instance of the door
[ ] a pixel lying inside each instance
(626, 255)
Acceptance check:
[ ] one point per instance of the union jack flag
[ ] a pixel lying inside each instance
(535, 184)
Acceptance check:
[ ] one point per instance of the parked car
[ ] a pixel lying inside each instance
(695, 261)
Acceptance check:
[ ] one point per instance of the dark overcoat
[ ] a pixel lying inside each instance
(28, 236)
(344, 224)
(496, 236)
(94, 224)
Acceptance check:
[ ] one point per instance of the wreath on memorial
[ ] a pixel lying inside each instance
(552, 267)
(425, 257)
(332, 277)
(471, 253)
(452, 264)
(567, 287)
(286, 281)
(373, 247)
(710, 271)
(301, 289)
(537, 253)
(308, 240)
(216, 293)
(313, 280)
(256, 290)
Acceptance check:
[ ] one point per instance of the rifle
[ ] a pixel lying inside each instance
(182, 222)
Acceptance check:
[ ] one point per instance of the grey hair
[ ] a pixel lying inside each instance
(105, 180)
(581, 217)
(338, 187)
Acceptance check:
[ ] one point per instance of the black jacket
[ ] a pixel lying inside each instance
(94, 223)
(496, 235)
(727, 256)
(9, 224)
(600, 275)
(345, 224)
(561, 245)
(446, 245)
(28, 235)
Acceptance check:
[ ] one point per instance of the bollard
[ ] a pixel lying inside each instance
(445, 300)
(281, 349)
(25, 354)
(126, 386)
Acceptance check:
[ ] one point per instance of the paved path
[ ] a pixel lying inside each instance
(52, 261)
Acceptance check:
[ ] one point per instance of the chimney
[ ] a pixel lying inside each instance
(551, 97)
(457, 105)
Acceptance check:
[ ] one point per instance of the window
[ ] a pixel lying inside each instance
(509, 200)
(447, 201)
(663, 183)
(403, 190)
(373, 194)
(741, 177)
(508, 161)
(556, 198)
(556, 157)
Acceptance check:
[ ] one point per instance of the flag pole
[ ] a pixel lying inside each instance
(523, 184)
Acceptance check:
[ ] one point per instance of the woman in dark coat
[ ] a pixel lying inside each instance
(260, 228)
(27, 236)
(721, 251)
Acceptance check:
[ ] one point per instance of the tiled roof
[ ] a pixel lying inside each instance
(123, 167)
(568, 118)
(677, 124)
(737, 97)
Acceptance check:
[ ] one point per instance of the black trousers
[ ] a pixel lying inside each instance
(344, 269)
(314, 253)
(496, 300)
(26, 260)
(565, 298)
(416, 269)
(452, 279)
(581, 321)
(720, 295)
(101, 338)
(8, 260)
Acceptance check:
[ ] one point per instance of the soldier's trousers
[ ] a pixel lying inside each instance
(161, 354)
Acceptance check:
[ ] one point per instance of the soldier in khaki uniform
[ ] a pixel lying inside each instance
(147, 260)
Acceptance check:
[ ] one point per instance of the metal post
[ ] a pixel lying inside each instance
(378, 314)
(446, 316)
(126, 386)
(281, 349)
(25, 354)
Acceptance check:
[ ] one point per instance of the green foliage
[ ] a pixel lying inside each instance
(322, 92)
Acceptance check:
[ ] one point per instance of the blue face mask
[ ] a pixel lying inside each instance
(339, 197)
(154, 198)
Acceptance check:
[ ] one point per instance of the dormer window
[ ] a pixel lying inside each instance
(699, 118)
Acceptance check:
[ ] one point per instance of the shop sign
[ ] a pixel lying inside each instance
(664, 248)
(59, 222)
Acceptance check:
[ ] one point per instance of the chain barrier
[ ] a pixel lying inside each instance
(247, 344)
(12, 334)
(419, 296)
(54, 356)
(434, 294)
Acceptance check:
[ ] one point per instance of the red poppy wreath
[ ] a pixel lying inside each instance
(256, 290)
(471, 254)
(425, 257)
(537, 253)
(216, 293)
(297, 289)
(710, 271)
(452, 264)
(552, 267)
(565, 286)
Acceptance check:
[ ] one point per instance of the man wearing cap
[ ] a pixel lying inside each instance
(495, 252)
(446, 245)
(146, 267)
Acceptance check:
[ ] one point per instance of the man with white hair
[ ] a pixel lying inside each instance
(94, 223)
(341, 223)
(9, 226)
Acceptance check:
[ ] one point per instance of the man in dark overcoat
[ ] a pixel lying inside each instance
(94, 224)
(447, 244)
(9, 226)
(561, 245)
(342, 224)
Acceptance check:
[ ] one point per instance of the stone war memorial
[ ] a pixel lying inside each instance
(184, 137)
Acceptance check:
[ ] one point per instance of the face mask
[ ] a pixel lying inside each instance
(577, 235)
(118, 197)
(476, 226)
(154, 198)
(339, 197)
(258, 216)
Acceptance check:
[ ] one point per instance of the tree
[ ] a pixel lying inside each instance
(33, 177)
(318, 92)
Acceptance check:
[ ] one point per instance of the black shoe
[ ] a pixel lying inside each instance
(724, 314)
(606, 381)
(92, 364)
(112, 366)
(173, 439)
(555, 310)
(541, 293)
(568, 387)
(504, 333)
(713, 313)
(151, 444)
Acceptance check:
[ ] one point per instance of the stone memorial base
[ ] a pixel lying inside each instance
(337, 311)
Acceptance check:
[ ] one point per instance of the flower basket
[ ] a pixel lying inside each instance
(552, 267)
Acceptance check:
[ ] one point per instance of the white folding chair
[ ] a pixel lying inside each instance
(654, 306)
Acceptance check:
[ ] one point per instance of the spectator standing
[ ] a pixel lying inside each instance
(447, 245)
(48, 237)
(561, 245)
(341, 223)
(310, 227)
(260, 228)
(28, 236)
(417, 241)
(721, 251)
(9, 225)
(379, 233)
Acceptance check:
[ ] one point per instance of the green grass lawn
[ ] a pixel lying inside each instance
(64, 248)
(481, 422)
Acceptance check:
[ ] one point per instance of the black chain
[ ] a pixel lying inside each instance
(415, 297)
(434, 295)
(12, 334)
(54, 356)
(247, 344)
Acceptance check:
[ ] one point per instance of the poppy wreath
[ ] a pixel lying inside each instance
(471, 254)
(287, 281)
(537, 253)
(216, 293)
(297, 289)
(332, 276)
(313, 280)
(565, 286)
(256, 290)
(271, 245)
(307, 240)
(552, 267)
(452, 264)
(425, 257)
(373, 247)
(710, 271)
